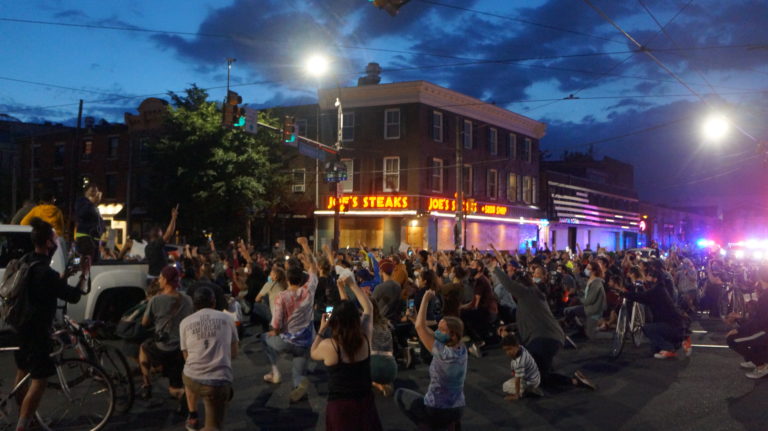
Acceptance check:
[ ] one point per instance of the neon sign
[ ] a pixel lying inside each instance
(445, 204)
(494, 210)
(368, 202)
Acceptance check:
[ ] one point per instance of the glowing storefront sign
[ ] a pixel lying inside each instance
(445, 204)
(369, 202)
(494, 209)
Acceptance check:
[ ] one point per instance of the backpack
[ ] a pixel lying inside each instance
(13, 291)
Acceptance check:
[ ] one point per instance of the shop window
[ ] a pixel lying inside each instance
(391, 174)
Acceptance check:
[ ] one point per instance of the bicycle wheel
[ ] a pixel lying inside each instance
(79, 397)
(114, 363)
(617, 345)
(723, 303)
(638, 320)
(739, 306)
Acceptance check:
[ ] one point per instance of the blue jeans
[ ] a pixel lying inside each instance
(663, 336)
(274, 346)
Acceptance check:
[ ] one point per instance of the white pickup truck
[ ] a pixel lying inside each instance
(115, 286)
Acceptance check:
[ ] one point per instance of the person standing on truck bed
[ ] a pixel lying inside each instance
(88, 222)
(47, 211)
(155, 253)
(35, 318)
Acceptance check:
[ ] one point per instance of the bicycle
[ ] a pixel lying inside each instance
(632, 325)
(79, 397)
(108, 357)
(732, 300)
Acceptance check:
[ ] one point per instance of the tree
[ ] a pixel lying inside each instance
(220, 177)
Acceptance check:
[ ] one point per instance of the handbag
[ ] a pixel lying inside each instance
(129, 327)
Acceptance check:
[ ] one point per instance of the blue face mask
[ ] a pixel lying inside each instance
(269, 278)
(442, 337)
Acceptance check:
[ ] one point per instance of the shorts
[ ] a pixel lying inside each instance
(215, 399)
(171, 361)
(34, 356)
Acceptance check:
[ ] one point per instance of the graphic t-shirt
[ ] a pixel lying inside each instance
(446, 377)
(293, 314)
(207, 337)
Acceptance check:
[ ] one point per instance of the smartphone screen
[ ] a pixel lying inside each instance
(329, 309)
(76, 261)
(411, 303)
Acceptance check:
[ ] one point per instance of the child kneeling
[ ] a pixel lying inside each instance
(525, 374)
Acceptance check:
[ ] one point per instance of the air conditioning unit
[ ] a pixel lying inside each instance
(298, 188)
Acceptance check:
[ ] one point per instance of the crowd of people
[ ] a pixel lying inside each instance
(365, 314)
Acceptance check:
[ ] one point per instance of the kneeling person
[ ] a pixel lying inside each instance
(209, 342)
(525, 374)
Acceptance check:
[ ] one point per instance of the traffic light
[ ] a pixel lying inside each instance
(289, 129)
(391, 6)
(234, 115)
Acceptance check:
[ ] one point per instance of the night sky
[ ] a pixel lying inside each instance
(557, 61)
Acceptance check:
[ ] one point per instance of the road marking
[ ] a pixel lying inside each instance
(718, 346)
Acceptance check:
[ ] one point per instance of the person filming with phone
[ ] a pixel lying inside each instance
(33, 312)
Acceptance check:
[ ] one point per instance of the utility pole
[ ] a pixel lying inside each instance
(458, 227)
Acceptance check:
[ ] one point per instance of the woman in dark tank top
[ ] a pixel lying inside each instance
(343, 344)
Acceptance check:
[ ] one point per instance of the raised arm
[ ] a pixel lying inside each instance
(499, 257)
(426, 335)
(516, 289)
(171, 224)
(365, 302)
(309, 258)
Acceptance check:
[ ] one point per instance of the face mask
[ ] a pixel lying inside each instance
(537, 280)
(269, 278)
(442, 337)
(587, 272)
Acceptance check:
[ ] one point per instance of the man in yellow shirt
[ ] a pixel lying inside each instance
(47, 211)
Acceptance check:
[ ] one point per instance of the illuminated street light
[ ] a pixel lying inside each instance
(716, 127)
(316, 66)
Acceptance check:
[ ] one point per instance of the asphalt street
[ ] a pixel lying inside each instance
(707, 391)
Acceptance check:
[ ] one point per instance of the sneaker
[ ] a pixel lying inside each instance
(687, 347)
(758, 373)
(475, 351)
(193, 424)
(584, 381)
(665, 354)
(748, 365)
(299, 392)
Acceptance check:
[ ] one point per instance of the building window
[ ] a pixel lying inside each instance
(527, 189)
(525, 150)
(493, 141)
(110, 186)
(36, 156)
(519, 188)
(298, 184)
(512, 146)
(511, 187)
(58, 155)
(301, 127)
(437, 126)
(348, 126)
(534, 195)
(58, 187)
(492, 184)
(392, 174)
(348, 185)
(467, 182)
(392, 124)
(87, 150)
(437, 175)
(466, 134)
(112, 146)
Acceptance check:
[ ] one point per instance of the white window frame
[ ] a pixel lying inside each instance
(299, 187)
(349, 185)
(347, 129)
(529, 149)
(493, 141)
(469, 179)
(387, 123)
(519, 188)
(512, 146)
(492, 180)
(512, 188)
(466, 134)
(395, 173)
(527, 189)
(534, 195)
(437, 126)
(437, 167)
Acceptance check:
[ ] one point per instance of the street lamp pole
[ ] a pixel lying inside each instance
(336, 215)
